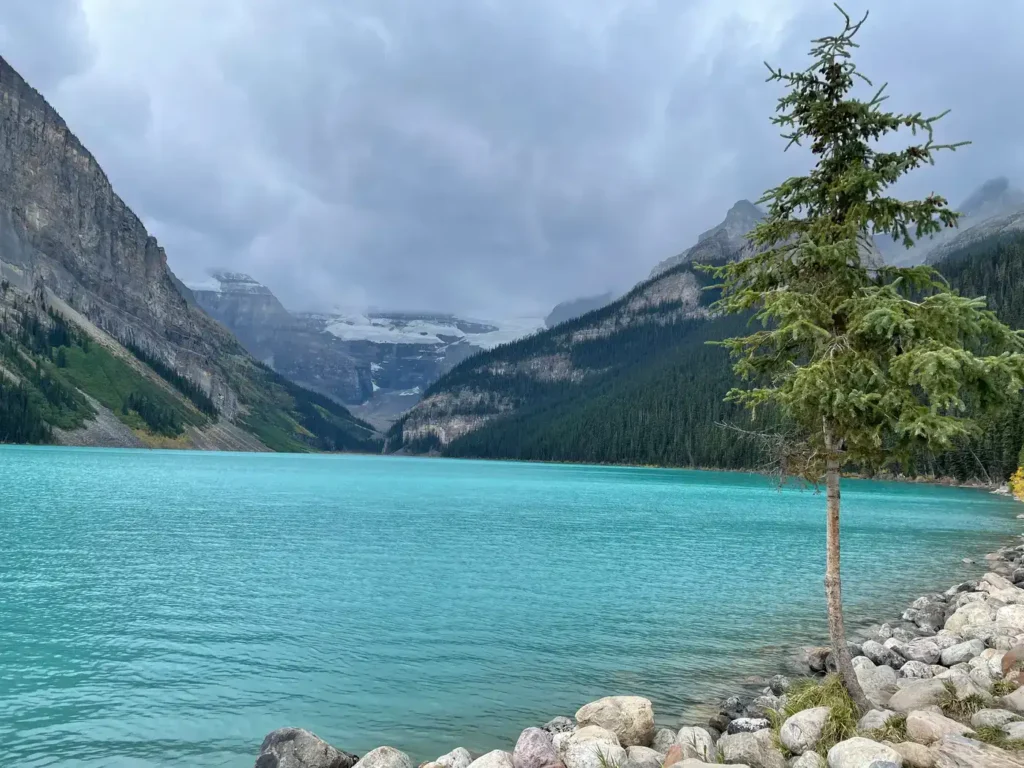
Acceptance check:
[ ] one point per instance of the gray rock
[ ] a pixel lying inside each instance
(882, 656)
(962, 652)
(808, 760)
(298, 748)
(1014, 730)
(643, 757)
(631, 718)
(914, 755)
(497, 758)
(993, 718)
(859, 752)
(591, 746)
(946, 640)
(1018, 576)
(457, 758)
(879, 683)
(917, 694)
(916, 670)
(753, 749)
(962, 683)
(385, 757)
(748, 725)
(874, 719)
(971, 614)
(780, 684)
(664, 738)
(1014, 701)
(817, 658)
(534, 749)
(560, 724)
(696, 743)
(764, 703)
(925, 651)
(962, 752)
(927, 727)
(932, 617)
(802, 731)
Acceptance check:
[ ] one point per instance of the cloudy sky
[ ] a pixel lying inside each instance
(489, 157)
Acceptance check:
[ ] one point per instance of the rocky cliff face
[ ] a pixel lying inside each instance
(68, 240)
(62, 226)
(569, 310)
(378, 363)
(725, 241)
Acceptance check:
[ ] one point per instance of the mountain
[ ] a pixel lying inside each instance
(637, 383)
(1006, 226)
(570, 310)
(376, 363)
(100, 343)
(996, 198)
(723, 241)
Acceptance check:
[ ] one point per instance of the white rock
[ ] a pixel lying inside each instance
(385, 757)
(643, 757)
(924, 651)
(588, 746)
(457, 758)
(802, 732)
(808, 760)
(879, 683)
(962, 652)
(928, 727)
(859, 752)
(914, 755)
(992, 581)
(1014, 701)
(664, 738)
(962, 752)
(874, 719)
(497, 758)
(631, 718)
(993, 718)
(753, 749)
(1011, 616)
(918, 694)
(944, 639)
(916, 670)
(1014, 730)
(971, 614)
(696, 742)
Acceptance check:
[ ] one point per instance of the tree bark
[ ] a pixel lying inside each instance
(834, 583)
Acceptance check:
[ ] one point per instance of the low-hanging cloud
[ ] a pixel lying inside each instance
(487, 157)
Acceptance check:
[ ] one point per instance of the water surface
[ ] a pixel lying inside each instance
(171, 608)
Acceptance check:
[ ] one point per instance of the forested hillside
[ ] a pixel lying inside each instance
(653, 394)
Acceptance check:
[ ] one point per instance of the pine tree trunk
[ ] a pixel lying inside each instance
(834, 585)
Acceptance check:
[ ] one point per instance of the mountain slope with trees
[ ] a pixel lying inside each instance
(658, 396)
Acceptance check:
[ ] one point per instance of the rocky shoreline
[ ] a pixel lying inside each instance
(945, 681)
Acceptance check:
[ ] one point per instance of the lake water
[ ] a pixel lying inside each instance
(171, 608)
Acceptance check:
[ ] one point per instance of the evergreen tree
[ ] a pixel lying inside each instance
(868, 363)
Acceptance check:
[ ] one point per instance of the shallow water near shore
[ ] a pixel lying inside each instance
(171, 608)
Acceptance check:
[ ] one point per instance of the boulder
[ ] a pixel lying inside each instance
(927, 727)
(1014, 730)
(882, 656)
(946, 640)
(808, 760)
(385, 757)
(643, 757)
(962, 684)
(993, 581)
(980, 678)
(879, 683)
(779, 684)
(764, 703)
(1013, 701)
(817, 658)
(534, 749)
(970, 614)
(663, 740)
(497, 758)
(802, 731)
(457, 758)
(1011, 616)
(874, 719)
(962, 652)
(589, 747)
(916, 670)
(748, 725)
(925, 651)
(753, 749)
(859, 752)
(993, 718)
(962, 752)
(918, 694)
(931, 618)
(696, 743)
(560, 724)
(914, 755)
(298, 748)
(631, 718)
(1018, 576)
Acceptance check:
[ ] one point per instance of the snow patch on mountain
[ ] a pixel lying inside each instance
(432, 330)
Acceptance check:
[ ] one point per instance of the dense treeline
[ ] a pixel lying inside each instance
(659, 399)
(160, 419)
(183, 384)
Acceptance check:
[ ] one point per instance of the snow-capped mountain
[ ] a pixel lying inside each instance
(377, 363)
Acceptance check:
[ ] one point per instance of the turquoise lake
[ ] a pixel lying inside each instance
(171, 608)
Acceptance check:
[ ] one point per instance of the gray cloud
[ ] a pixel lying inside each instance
(488, 157)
